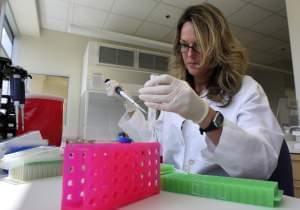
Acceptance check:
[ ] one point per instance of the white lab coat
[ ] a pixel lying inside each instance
(249, 144)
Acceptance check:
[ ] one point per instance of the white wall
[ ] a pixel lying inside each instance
(282, 83)
(294, 29)
(55, 53)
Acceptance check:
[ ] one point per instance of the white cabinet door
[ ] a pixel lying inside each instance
(101, 116)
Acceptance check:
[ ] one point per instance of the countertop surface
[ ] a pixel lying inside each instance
(294, 147)
(45, 194)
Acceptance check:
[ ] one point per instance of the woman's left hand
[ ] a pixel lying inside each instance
(167, 93)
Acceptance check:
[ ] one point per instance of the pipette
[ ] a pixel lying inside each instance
(122, 93)
(15, 84)
(17, 92)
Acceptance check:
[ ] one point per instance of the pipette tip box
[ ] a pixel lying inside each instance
(34, 163)
(36, 170)
(109, 175)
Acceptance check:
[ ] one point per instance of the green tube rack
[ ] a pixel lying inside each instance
(249, 191)
(166, 169)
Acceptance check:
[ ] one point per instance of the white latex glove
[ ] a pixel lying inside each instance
(110, 87)
(169, 94)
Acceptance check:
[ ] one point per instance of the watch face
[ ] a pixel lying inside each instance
(219, 119)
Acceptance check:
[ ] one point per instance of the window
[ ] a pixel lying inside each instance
(153, 62)
(116, 56)
(7, 35)
(7, 39)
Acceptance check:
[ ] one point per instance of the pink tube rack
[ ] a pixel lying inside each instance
(109, 175)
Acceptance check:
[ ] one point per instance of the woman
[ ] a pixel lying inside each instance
(214, 119)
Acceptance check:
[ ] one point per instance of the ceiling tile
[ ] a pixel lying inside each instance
(265, 43)
(270, 24)
(183, 3)
(139, 9)
(283, 50)
(160, 13)
(170, 37)
(54, 24)
(55, 9)
(246, 36)
(127, 17)
(248, 16)
(236, 29)
(259, 57)
(229, 6)
(282, 12)
(285, 64)
(87, 17)
(96, 4)
(273, 5)
(122, 24)
(282, 34)
(153, 31)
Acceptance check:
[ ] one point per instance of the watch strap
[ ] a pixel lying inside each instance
(211, 126)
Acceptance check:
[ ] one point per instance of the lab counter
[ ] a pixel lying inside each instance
(294, 147)
(45, 194)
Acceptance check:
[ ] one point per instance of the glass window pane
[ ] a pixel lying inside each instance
(161, 63)
(6, 42)
(108, 55)
(8, 29)
(146, 61)
(2, 53)
(125, 57)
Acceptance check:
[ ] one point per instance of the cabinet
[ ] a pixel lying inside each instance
(131, 67)
(124, 64)
(99, 116)
(296, 173)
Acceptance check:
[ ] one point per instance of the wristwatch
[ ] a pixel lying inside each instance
(216, 123)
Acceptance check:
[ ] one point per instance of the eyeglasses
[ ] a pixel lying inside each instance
(184, 48)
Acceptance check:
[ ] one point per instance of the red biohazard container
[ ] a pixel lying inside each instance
(109, 175)
(44, 113)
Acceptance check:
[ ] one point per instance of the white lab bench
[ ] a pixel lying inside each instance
(45, 194)
(294, 147)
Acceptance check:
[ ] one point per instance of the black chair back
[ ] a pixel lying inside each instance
(283, 173)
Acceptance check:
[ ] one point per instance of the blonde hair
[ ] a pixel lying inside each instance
(220, 50)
